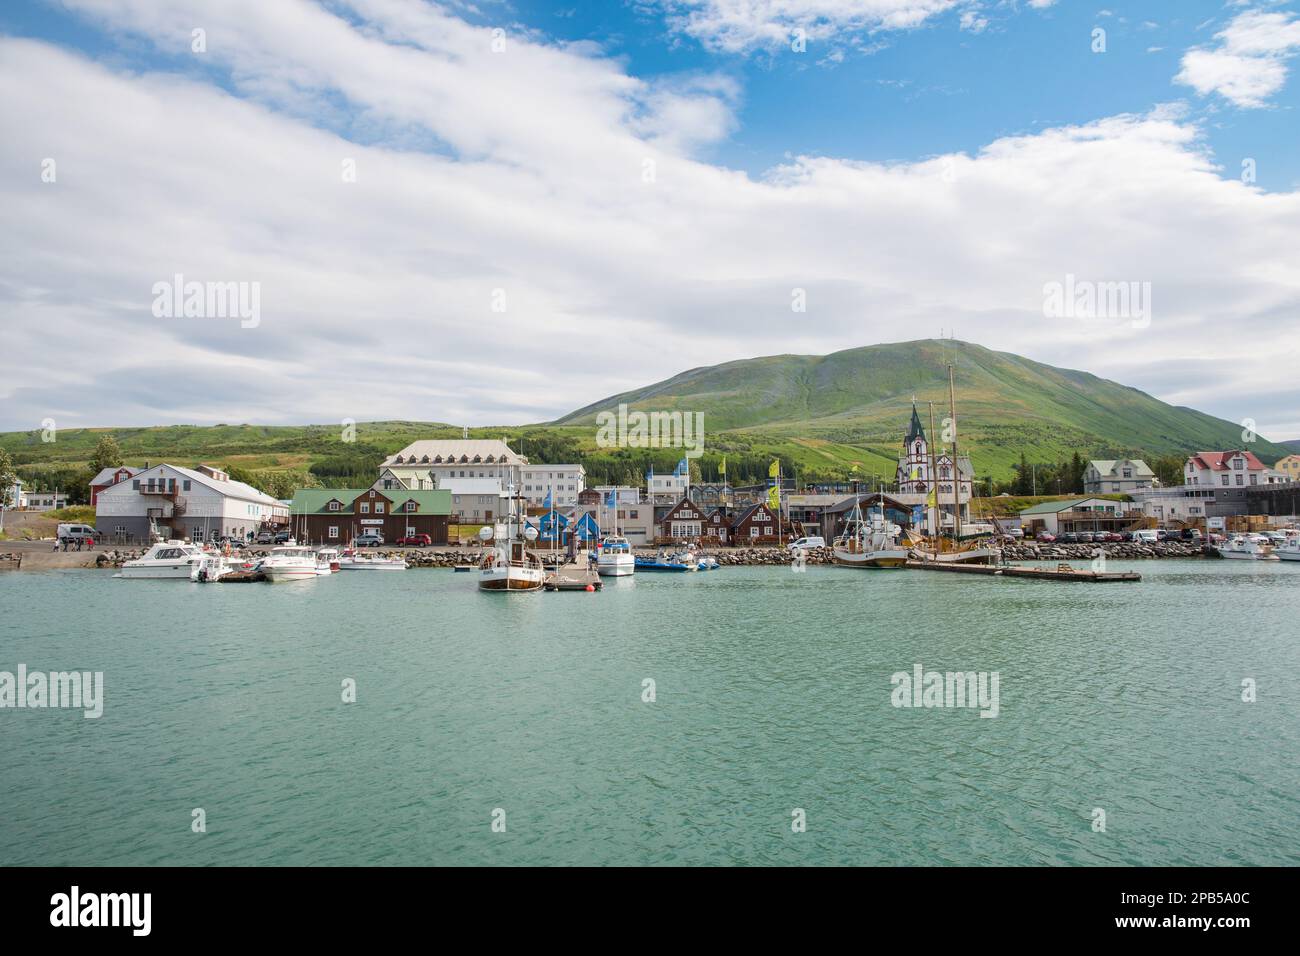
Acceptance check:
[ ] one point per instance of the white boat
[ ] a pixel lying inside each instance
(166, 559)
(510, 566)
(289, 562)
(327, 561)
(869, 543)
(356, 561)
(615, 558)
(211, 567)
(1289, 550)
(1244, 548)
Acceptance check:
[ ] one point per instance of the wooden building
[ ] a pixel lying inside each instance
(337, 515)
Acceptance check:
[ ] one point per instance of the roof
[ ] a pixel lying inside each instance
(1054, 507)
(1217, 460)
(106, 474)
(914, 429)
(310, 501)
(1107, 466)
(440, 451)
(229, 487)
(542, 466)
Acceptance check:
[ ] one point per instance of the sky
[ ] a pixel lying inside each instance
(493, 213)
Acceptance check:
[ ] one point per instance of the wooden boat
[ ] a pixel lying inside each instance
(511, 566)
(869, 543)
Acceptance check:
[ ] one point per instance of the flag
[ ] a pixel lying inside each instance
(774, 497)
(722, 469)
(548, 505)
(775, 469)
(649, 475)
(932, 499)
(916, 472)
(683, 467)
(612, 500)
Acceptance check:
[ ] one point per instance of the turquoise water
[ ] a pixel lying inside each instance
(772, 693)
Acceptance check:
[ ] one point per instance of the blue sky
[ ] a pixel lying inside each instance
(652, 179)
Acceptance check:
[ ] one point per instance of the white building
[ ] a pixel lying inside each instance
(1182, 503)
(1106, 476)
(43, 500)
(912, 477)
(1225, 469)
(666, 489)
(174, 502)
(564, 482)
(475, 499)
(421, 464)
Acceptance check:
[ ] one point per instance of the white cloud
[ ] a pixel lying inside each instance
(739, 25)
(376, 295)
(1248, 63)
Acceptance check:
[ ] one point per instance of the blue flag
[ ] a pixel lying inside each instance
(612, 500)
(681, 469)
(548, 504)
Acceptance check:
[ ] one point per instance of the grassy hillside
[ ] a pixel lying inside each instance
(853, 405)
(826, 417)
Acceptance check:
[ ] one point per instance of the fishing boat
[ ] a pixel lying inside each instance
(614, 557)
(511, 566)
(289, 562)
(166, 559)
(682, 559)
(1289, 550)
(353, 560)
(1244, 548)
(869, 543)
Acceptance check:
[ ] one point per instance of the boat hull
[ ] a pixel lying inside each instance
(280, 575)
(1246, 556)
(893, 558)
(613, 566)
(519, 579)
(159, 572)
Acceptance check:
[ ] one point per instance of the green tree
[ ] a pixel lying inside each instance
(7, 478)
(107, 455)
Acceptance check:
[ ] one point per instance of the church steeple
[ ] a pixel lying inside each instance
(915, 430)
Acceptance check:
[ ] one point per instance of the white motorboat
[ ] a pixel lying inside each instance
(872, 543)
(1289, 550)
(327, 561)
(615, 558)
(166, 559)
(1245, 548)
(211, 567)
(289, 562)
(356, 561)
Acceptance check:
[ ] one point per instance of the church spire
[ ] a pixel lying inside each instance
(915, 430)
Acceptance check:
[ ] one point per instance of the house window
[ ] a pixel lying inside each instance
(334, 531)
(185, 484)
(1254, 479)
(379, 507)
(135, 485)
(1239, 479)
(753, 530)
(365, 507)
(410, 506)
(334, 506)
(1224, 479)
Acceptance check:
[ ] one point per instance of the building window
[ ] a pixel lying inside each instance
(135, 485)
(334, 531)
(185, 484)
(365, 507)
(334, 506)
(379, 507)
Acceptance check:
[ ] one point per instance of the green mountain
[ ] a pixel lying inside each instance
(826, 417)
(1006, 405)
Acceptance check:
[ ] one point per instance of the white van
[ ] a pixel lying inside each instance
(803, 544)
(1146, 536)
(76, 532)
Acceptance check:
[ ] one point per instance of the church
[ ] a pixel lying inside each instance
(913, 476)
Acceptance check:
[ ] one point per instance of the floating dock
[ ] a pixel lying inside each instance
(241, 577)
(1062, 572)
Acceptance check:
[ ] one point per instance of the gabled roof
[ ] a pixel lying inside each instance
(685, 500)
(744, 515)
(1054, 507)
(1109, 466)
(1217, 460)
(229, 487)
(106, 474)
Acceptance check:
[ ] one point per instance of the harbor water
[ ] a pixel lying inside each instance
(520, 729)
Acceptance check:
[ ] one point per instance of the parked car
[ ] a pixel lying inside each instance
(1126, 536)
(1045, 536)
(76, 532)
(266, 537)
(1193, 535)
(1016, 532)
(1084, 537)
(1166, 534)
(1069, 537)
(1114, 537)
(415, 541)
(1146, 536)
(283, 536)
(812, 541)
(369, 539)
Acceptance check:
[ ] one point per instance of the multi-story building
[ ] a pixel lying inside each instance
(1288, 467)
(1107, 476)
(108, 477)
(475, 500)
(1224, 469)
(422, 464)
(338, 515)
(172, 502)
(43, 500)
(563, 482)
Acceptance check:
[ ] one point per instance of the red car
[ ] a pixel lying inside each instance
(416, 541)
(1045, 536)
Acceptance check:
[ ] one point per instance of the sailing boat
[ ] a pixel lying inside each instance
(510, 566)
(869, 543)
(953, 550)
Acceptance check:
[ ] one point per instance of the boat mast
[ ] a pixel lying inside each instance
(956, 470)
(938, 525)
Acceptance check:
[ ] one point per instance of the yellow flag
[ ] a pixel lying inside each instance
(775, 469)
(915, 472)
(774, 497)
(722, 470)
(932, 499)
